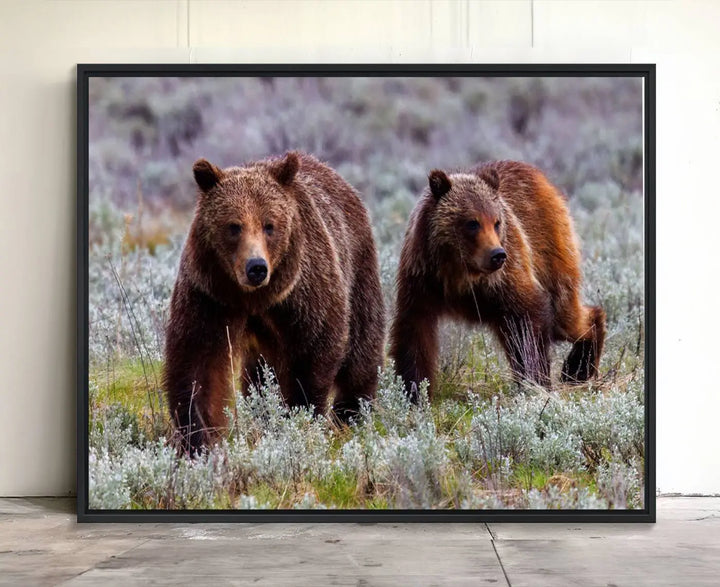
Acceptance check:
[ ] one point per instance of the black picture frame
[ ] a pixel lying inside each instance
(86, 71)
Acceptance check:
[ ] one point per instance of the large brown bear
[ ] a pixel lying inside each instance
(494, 246)
(280, 265)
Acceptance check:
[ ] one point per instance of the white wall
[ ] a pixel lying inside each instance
(41, 41)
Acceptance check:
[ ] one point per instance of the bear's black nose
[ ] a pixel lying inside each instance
(256, 271)
(497, 258)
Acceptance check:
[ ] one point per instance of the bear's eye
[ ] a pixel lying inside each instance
(472, 225)
(234, 229)
(497, 226)
(269, 229)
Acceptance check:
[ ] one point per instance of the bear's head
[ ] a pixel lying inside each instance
(245, 216)
(467, 225)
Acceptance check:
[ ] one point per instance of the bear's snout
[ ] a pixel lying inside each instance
(256, 271)
(497, 258)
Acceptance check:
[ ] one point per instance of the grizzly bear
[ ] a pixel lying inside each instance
(279, 269)
(494, 246)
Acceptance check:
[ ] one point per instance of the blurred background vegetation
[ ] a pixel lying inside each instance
(381, 134)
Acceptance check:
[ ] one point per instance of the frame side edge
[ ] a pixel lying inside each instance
(82, 292)
(650, 341)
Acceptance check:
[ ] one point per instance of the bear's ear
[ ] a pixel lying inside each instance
(285, 169)
(206, 174)
(490, 176)
(439, 183)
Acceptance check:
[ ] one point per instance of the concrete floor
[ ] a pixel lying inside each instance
(41, 544)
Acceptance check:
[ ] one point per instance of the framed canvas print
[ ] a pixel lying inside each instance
(365, 293)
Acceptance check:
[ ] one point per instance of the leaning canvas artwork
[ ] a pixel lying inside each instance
(365, 293)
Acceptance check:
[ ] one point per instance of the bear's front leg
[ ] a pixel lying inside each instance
(197, 375)
(310, 371)
(414, 338)
(309, 351)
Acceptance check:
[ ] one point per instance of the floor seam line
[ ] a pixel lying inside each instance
(94, 566)
(502, 566)
(489, 529)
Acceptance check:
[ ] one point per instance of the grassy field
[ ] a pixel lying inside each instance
(483, 442)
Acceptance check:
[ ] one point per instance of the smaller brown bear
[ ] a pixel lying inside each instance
(280, 266)
(494, 246)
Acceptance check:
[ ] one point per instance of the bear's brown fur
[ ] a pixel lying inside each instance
(494, 246)
(280, 266)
